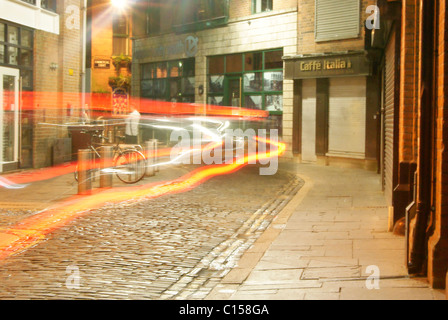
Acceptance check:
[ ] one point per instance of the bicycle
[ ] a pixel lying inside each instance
(129, 163)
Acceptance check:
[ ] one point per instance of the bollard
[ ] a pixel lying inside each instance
(155, 143)
(150, 151)
(107, 154)
(84, 166)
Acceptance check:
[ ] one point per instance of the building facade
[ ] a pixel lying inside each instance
(108, 54)
(335, 90)
(225, 53)
(411, 47)
(40, 74)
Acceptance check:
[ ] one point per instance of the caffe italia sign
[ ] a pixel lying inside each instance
(299, 67)
(317, 65)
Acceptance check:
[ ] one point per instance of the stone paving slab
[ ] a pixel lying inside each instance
(335, 229)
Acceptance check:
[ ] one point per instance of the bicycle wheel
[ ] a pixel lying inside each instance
(130, 166)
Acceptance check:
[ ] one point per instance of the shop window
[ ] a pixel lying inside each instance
(273, 59)
(253, 82)
(169, 81)
(216, 65)
(261, 74)
(253, 61)
(261, 6)
(337, 20)
(234, 63)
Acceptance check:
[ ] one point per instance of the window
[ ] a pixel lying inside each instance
(337, 20)
(48, 5)
(200, 14)
(169, 80)
(261, 6)
(16, 50)
(261, 75)
(120, 35)
(33, 2)
(153, 17)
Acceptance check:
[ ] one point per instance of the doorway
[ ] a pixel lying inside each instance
(233, 91)
(9, 119)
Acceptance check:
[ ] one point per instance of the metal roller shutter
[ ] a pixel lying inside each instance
(389, 98)
(337, 19)
(347, 117)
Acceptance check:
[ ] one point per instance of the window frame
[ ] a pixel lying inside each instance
(6, 44)
(254, 6)
(245, 94)
(116, 36)
(166, 80)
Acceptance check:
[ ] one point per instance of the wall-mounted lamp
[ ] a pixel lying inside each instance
(53, 66)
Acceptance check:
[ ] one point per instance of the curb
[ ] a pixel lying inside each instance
(253, 255)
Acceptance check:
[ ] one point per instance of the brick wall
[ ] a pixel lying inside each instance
(101, 44)
(438, 244)
(55, 89)
(306, 43)
(409, 83)
(240, 8)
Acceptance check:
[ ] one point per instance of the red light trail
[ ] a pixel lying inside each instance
(32, 230)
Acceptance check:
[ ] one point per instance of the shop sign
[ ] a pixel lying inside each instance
(326, 66)
(101, 64)
(333, 64)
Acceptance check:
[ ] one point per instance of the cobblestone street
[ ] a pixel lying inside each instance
(177, 246)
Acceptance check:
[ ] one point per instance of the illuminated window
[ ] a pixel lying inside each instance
(169, 81)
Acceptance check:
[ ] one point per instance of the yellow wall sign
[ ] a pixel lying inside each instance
(317, 65)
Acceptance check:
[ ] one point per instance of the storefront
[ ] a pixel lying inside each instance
(238, 65)
(335, 108)
(16, 63)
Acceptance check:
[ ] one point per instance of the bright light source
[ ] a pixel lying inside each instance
(119, 4)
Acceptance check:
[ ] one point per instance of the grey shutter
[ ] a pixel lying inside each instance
(347, 117)
(389, 105)
(337, 19)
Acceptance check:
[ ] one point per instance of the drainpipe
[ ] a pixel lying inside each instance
(424, 172)
(83, 58)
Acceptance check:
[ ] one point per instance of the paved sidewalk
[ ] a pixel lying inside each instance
(322, 243)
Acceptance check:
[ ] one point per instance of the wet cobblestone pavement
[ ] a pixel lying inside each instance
(177, 246)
